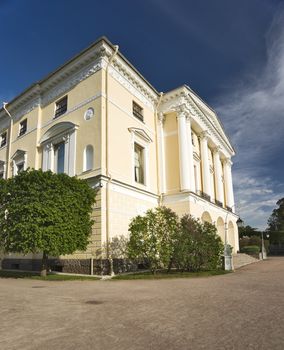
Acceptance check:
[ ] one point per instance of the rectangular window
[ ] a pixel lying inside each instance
(59, 153)
(60, 107)
(20, 167)
(23, 127)
(139, 164)
(3, 139)
(137, 111)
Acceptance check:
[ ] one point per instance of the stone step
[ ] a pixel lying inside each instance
(242, 259)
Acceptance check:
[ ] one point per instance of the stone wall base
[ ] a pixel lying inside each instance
(80, 266)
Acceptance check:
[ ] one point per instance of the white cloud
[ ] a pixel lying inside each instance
(254, 116)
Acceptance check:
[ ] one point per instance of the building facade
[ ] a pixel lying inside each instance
(96, 117)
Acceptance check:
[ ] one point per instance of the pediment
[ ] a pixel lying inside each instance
(19, 154)
(58, 129)
(140, 133)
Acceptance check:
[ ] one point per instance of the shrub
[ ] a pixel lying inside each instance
(152, 237)
(197, 246)
(250, 249)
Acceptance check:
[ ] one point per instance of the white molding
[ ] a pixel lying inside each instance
(132, 192)
(130, 80)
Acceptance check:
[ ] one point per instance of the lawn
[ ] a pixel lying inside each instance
(163, 274)
(50, 277)
(131, 276)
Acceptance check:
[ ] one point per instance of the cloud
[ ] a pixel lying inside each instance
(253, 113)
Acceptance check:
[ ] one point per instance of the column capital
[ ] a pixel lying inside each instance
(161, 117)
(204, 135)
(182, 110)
(188, 118)
(216, 150)
(228, 162)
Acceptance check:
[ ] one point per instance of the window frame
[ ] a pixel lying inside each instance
(3, 139)
(58, 133)
(23, 127)
(60, 110)
(143, 175)
(137, 111)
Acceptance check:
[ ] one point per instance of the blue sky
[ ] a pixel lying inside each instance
(230, 52)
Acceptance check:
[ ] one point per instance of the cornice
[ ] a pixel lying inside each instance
(78, 69)
(128, 78)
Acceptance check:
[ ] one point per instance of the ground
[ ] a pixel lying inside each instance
(242, 310)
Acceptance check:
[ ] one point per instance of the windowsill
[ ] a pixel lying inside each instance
(140, 120)
(20, 136)
(59, 116)
(140, 184)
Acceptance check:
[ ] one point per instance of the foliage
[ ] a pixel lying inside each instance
(276, 224)
(254, 241)
(45, 212)
(117, 247)
(251, 249)
(152, 237)
(248, 231)
(198, 246)
(164, 241)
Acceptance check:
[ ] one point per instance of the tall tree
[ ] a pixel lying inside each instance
(248, 231)
(276, 223)
(45, 212)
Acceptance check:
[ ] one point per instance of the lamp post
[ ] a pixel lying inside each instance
(227, 250)
(263, 250)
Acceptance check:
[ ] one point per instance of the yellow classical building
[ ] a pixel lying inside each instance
(98, 118)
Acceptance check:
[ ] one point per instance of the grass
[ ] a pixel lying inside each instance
(172, 274)
(133, 276)
(50, 277)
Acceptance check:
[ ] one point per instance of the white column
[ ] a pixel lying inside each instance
(50, 157)
(162, 170)
(66, 140)
(183, 151)
(205, 163)
(190, 155)
(228, 183)
(218, 176)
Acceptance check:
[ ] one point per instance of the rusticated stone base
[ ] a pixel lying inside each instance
(80, 266)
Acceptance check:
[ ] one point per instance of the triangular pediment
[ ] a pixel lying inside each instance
(19, 153)
(140, 133)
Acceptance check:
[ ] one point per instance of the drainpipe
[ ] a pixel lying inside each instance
(158, 160)
(116, 47)
(10, 141)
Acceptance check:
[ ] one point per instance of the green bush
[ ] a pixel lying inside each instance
(164, 241)
(152, 237)
(250, 249)
(198, 247)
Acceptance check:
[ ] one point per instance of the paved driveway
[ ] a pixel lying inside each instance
(244, 310)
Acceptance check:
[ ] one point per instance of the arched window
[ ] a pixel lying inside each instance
(88, 158)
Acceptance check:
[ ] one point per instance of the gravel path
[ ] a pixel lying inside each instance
(242, 310)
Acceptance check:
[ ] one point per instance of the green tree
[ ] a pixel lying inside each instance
(248, 231)
(152, 237)
(276, 224)
(198, 246)
(45, 212)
